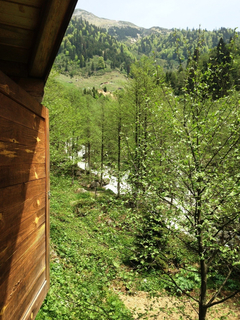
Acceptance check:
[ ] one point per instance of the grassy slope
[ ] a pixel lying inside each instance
(114, 79)
(91, 241)
(87, 249)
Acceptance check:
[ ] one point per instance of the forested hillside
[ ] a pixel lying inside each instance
(169, 142)
(83, 42)
(89, 50)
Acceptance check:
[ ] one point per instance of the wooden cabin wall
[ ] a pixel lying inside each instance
(24, 204)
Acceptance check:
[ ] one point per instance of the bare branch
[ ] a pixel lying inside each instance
(220, 288)
(225, 299)
(177, 286)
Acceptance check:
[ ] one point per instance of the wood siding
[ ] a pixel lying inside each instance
(24, 204)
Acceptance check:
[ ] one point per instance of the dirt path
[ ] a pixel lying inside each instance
(171, 308)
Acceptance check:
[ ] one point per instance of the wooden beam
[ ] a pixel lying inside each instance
(53, 26)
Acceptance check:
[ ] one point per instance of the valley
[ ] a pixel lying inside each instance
(162, 105)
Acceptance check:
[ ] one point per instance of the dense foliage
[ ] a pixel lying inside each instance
(83, 41)
(177, 144)
(86, 252)
(164, 44)
(223, 61)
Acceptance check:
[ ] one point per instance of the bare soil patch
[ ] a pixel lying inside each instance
(171, 308)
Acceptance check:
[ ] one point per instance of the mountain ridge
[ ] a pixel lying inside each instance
(116, 27)
(102, 22)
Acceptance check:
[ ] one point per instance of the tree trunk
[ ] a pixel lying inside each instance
(144, 155)
(101, 178)
(89, 160)
(73, 149)
(89, 155)
(203, 291)
(85, 158)
(202, 312)
(137, 154)
(119, 157)
(102, 148)
(203, 265)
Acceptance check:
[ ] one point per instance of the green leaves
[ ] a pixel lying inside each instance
(182, 159)
(83, 267)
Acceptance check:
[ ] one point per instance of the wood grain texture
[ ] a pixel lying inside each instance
(13, 154)
(27, 280)
(19, 134)
(30, 295)
(33, 309)
(13, 196)
(34, 87)
(23, 276)
(20, 231)
(13, 175)
(47, 154)
(9, 109)
(31, 3)
(23, 264)
(13, 91)
(22, 200)
(17, 55)
(29, 245)
(19, 15)
(16, 37)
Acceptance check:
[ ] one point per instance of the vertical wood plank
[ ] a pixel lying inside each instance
(33, 309)
(47, 158)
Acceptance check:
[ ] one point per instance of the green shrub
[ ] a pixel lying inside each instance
(151, 242)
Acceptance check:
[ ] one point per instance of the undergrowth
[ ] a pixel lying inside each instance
(86, 256)
(95, 242)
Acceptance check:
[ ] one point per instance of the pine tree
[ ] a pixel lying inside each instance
(101, 64)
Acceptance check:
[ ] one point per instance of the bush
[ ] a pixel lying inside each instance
(151, 242)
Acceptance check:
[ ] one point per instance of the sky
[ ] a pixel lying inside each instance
(209, 14)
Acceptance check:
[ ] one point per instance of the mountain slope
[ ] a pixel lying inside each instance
(121, 30)
(89, 50)
(101, 22)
